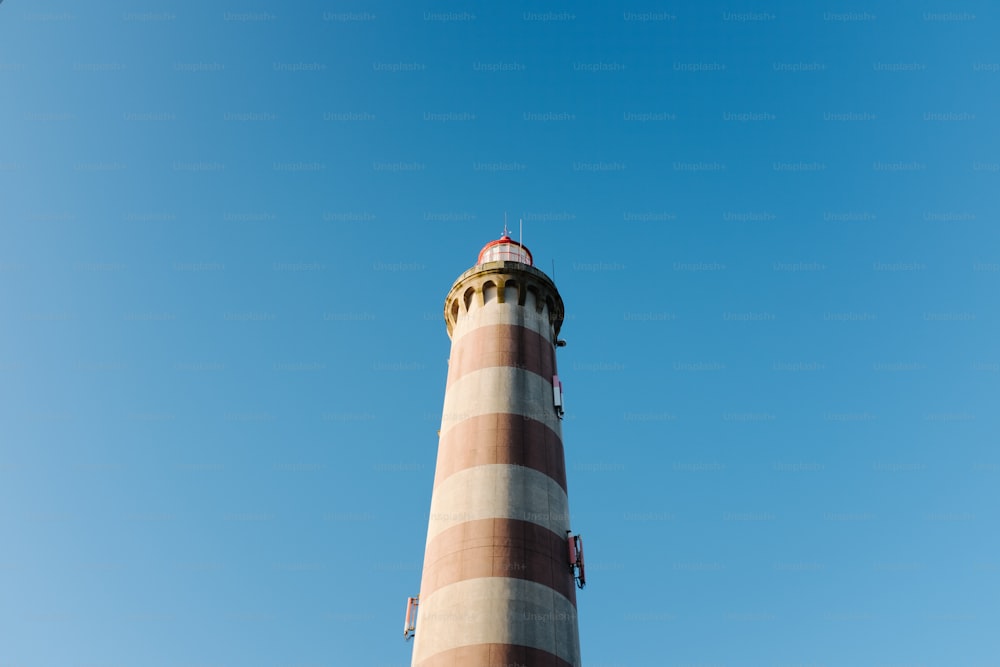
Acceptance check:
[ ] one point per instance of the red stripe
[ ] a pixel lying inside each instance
(501, 438)
(494, 655)
(501, 345)
(498, 548)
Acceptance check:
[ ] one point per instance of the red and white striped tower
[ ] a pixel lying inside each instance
(500, 563)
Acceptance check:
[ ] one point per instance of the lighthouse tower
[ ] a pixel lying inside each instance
(501, 566)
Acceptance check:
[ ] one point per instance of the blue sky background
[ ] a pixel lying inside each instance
(227, 231)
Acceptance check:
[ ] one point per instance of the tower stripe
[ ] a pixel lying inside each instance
(521, 613)
(499, 389)
(501, 438)
(498, 548)
(494, 655)
(493, 314)
(498, 492)
(502, 345)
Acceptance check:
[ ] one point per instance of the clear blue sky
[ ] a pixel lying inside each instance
(227, 230)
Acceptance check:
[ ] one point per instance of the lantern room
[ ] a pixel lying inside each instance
(504, 249)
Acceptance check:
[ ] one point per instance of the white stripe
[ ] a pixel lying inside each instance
(503, 313)
(497, 610)
(500, 389)
(498, 491)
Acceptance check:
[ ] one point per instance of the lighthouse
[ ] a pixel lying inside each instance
(501, 564)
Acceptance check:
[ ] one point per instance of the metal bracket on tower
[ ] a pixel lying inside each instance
(410, 625)
(557, 395)
(575, 544)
